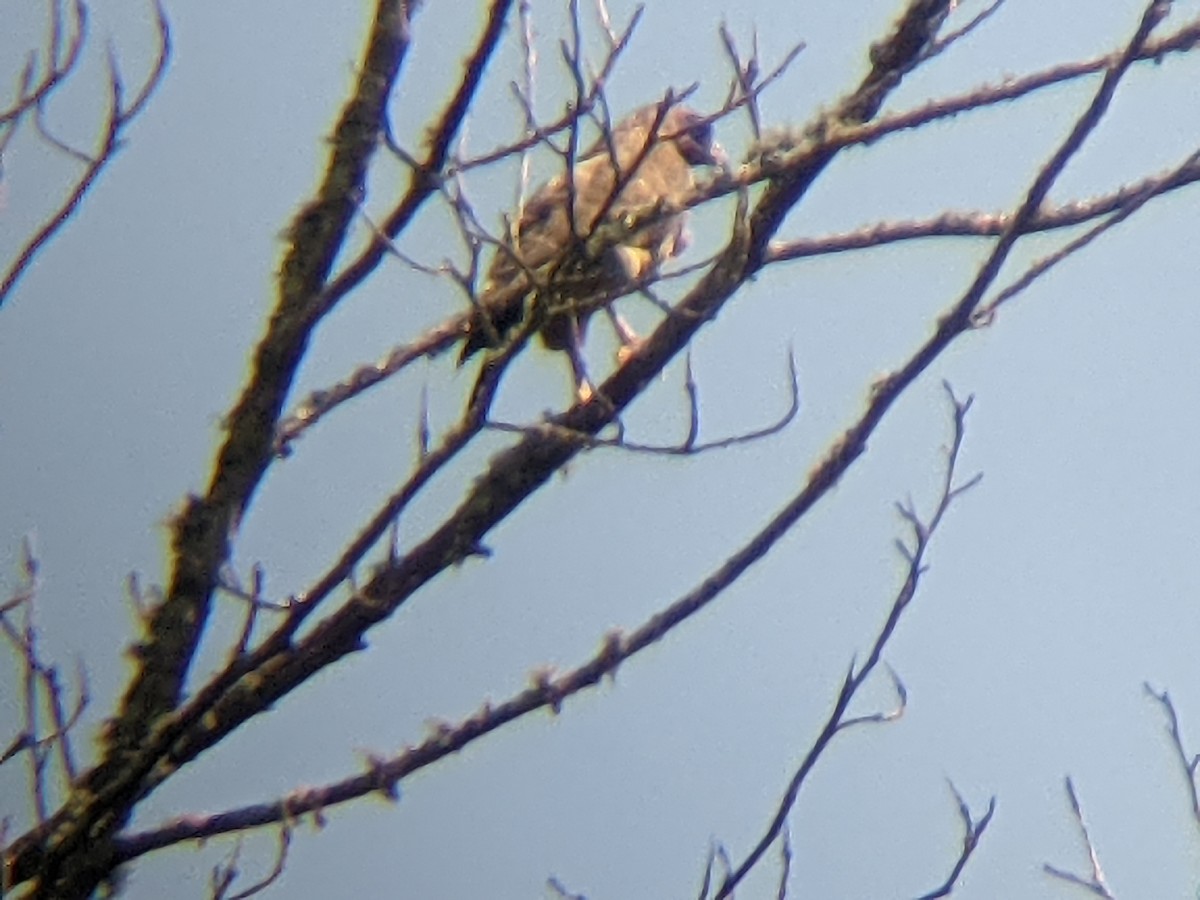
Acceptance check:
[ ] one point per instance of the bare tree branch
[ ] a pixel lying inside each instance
(118, 118)
(202, 530)
(857, 675)
(73, 846)
(1188, 763)
(58, 64)
(972, 833)
(772, 157)
(1095, 882)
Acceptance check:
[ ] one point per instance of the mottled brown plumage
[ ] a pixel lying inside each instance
(655, 155)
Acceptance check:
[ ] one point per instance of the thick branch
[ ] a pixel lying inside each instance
(516, 473)
(72, 859)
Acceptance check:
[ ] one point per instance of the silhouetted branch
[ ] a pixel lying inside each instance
(1126, 199)
(118, 117)
(1094, 882)
(922, 531)
(78, 854)
(42, 689)
(774, 155)
(156, 730)
(690, 445)
(58, 63)
(226, 874)
(952, 37)
(1188, 763)
(972, 833)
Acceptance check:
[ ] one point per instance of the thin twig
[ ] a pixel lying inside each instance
(1188, 763)
(972, 834)
(1095, 882)
(117, 119)
(922, 532)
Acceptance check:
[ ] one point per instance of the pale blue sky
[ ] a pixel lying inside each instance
(1059, 585)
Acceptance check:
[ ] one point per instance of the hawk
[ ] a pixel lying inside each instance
(655, 155)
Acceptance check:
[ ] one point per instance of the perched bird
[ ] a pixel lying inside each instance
(655, 154)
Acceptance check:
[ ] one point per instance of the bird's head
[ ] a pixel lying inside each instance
(693, 135)
(688, 130)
